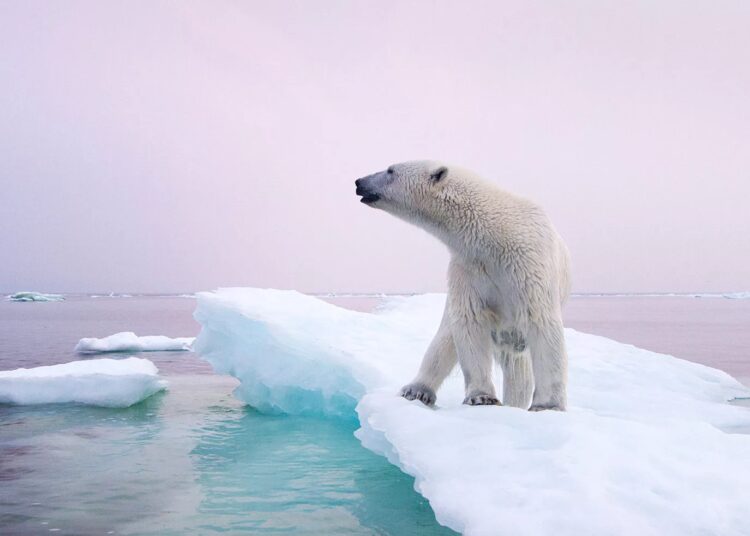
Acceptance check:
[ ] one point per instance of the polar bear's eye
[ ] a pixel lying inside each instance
(390, 170)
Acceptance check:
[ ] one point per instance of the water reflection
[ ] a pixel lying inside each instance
(194, 460)
(271, 474)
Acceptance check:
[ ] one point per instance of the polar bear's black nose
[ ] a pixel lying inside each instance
(368, 196)
(361, 186)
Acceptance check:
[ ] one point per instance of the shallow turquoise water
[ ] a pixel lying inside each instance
(189, 461)
(195, 461)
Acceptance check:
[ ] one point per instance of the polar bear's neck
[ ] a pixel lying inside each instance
(477, 219)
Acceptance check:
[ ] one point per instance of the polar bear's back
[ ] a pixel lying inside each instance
(516, 231)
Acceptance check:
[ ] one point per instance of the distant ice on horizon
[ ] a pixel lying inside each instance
(729, 295)
(27, 296)
(738, 295)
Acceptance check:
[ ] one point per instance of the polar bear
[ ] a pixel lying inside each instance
(507, 281)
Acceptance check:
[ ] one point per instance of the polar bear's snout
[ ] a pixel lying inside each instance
(367, 187)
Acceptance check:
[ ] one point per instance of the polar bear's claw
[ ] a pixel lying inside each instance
(480, 399)
(419, 391)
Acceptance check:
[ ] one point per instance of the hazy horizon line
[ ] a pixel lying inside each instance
(373, 294)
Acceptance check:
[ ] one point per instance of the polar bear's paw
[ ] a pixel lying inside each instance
(419, 391)
(545, 407)
(481, 399)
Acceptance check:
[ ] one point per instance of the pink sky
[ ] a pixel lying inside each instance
(177, 146)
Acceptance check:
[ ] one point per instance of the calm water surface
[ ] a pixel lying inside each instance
(711, 331)
(195, 461)
(189, 461)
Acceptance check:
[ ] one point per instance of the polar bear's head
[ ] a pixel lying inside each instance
(419, 191)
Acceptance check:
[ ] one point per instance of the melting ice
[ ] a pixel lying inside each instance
(115, 383)
(646, 446)
(127, 341)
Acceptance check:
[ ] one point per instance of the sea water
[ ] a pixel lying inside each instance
(195, 461)
(190, 461)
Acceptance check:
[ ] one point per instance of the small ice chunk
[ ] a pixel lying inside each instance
(115, 383)
(127, 341)
(35, 297)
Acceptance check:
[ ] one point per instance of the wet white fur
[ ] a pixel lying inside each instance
(507, 280)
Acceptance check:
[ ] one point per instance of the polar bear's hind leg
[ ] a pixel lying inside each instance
(514, 358)
(550, 365)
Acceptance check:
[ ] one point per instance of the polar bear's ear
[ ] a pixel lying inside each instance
(438, 174)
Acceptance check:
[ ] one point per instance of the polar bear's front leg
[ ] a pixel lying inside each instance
(474, 350)
(438, 362)
(550, 363)
(471, 328)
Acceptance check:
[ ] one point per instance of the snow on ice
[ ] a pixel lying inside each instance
(650, 444)
(127, 341)
(114, 383)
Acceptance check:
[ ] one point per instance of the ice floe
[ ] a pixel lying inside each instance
(127, 341)
(647, 446)
(300, 355)
(35, 297)
(738, 295)
(97, 382)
